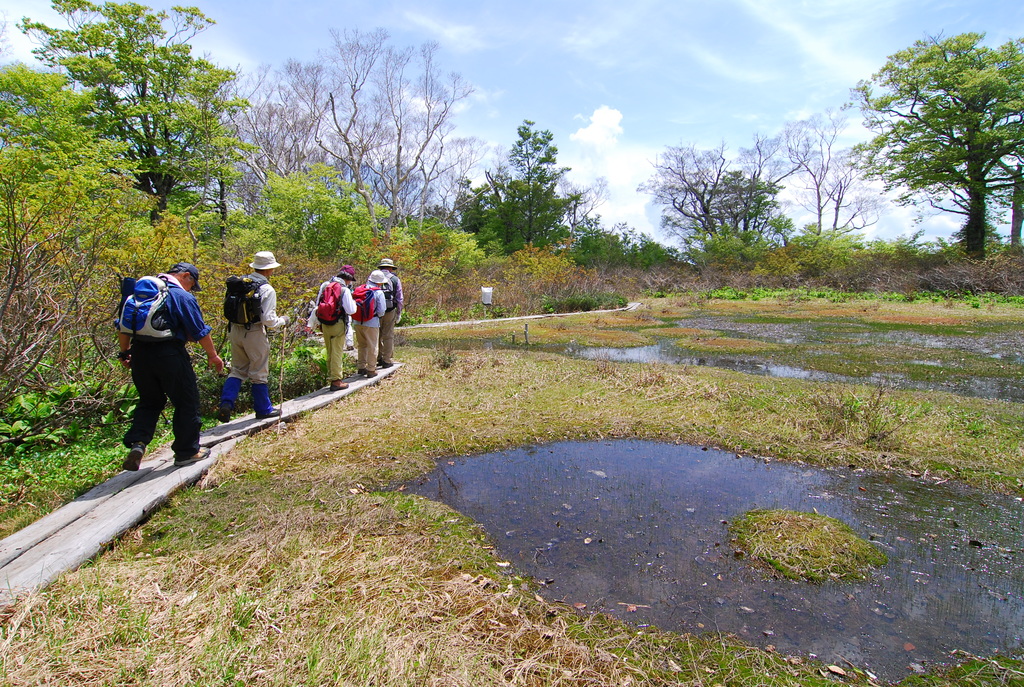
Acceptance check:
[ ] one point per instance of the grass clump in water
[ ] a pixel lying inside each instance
(805, 546)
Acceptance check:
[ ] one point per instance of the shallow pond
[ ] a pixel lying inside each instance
(971, 362)
(635, 529)
(666, 351)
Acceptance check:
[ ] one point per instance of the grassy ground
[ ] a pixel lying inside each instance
(805, 546)
(289, 565)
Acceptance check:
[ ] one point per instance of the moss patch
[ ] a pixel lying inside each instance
(805, 546)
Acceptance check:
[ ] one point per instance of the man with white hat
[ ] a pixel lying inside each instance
(250, 346)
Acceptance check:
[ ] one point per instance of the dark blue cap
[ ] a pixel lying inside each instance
(191, 269)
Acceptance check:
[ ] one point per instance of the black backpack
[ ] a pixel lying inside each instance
(242, 303)
(388, 288)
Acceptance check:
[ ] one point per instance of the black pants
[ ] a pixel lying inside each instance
(163, 371)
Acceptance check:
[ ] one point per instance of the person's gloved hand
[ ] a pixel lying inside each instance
(398, 320)
(287, 321)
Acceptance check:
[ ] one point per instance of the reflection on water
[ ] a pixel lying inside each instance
(632, 524)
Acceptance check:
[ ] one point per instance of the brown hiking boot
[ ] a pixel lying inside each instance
(369, 373)
(134, 459)
(338, 386)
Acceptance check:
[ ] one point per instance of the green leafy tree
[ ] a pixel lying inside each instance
(150, 92)
(65, 207)
(595, 246)
(521, 204)
(948, 118)
(316, 213)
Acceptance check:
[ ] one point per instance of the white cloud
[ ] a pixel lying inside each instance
(457, 37)
(728, 69)
(603, 129)
(601, 150)
(823, 32)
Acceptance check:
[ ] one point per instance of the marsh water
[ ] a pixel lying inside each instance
(637, 530)
(937, 358)
(667, 351)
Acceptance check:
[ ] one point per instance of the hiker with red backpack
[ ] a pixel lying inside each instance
(333, 311)
(370, 306)
(249, 317)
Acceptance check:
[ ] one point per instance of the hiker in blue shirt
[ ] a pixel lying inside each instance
(162, 371)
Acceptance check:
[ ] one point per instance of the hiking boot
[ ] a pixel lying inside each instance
(370, 374)
(202, 454)
(224, 412)
(385, 365)
(134, 459)
(273, 412)
(361, 371)
(338, 386)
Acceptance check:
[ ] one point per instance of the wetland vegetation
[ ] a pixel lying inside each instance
(805, 546)
(291, 558)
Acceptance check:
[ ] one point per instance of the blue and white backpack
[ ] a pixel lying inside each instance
(144, 313)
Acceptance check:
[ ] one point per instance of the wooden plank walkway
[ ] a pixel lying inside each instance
(629, 307)
(68, 537)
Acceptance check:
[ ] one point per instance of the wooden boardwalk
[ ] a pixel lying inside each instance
(629, 307)
(68, 537)
(65, 539)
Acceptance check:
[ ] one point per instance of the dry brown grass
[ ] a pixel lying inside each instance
(284, 569)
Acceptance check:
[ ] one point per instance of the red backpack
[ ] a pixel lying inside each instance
(364, 299)
(328, 308)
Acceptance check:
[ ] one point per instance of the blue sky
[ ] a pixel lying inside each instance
(616, 82)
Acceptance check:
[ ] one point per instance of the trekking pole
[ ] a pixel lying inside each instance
(280, 374)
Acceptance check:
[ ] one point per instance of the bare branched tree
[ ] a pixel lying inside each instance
(705, 194)
(278, 126)
(688, 182)
(827, 183)
(385, 116)
(584, 201)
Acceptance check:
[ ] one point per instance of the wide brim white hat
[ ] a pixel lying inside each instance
(378, 277)
(264, 260)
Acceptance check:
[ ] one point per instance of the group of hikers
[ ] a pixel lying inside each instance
(159, 315)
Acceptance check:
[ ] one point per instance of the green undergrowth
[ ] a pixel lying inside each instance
(839, 296)
(34, 482)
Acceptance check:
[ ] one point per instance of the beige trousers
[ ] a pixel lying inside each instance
(334, 342)
(387, 337)
(367, 341)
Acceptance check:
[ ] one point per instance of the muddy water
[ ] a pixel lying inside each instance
(635, 529)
